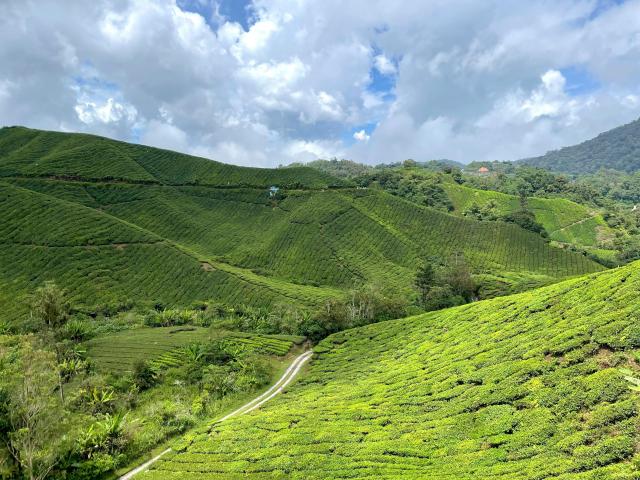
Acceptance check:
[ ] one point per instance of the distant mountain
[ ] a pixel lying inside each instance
(617, 149)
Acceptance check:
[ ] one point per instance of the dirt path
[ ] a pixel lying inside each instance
(274, 390)
(574, 223)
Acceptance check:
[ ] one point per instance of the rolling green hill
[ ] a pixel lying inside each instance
(75, 209)
(617, 149)
(36, 153)
(565, 221)
(531, 386)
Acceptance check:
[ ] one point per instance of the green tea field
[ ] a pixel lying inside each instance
(539, 385)
(164, 346)
(565, 221)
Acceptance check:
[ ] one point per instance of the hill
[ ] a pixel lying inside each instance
(219, 232)
(617, 149)
(36, 153)
(565, 221)
(531, 386)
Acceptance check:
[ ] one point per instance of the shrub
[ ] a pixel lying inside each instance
(77, 330)
(169, 318)
(143, 375)
(173, 416)
(525, 219)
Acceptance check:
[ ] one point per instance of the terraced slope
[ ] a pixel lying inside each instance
(38, 153)
(564, 220)
(163, 346)
(522, 387)
(160, 240)
(107, 243)
(102, 260)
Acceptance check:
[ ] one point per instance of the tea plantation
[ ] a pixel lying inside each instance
(36, 153)
(564, 220)
(537, 385)
(115, 223)
(164, 346)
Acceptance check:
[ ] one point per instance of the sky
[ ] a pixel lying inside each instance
(270, 82)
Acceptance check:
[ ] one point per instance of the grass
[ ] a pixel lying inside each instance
(191, 229)
(521, 387)
(162, 346)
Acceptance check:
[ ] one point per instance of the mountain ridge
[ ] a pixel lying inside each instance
(616, 149)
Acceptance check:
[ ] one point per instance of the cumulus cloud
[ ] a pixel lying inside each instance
(361, 136)
(384, 65)
(470, 80)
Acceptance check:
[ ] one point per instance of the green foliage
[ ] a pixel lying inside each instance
(32, 412)
(425, 279)
(360, 307)
(525, 219)
(445, 283)
(518, 388)
(346, 169)
(49, 305)
(168, 318)
(418, 187)
(77, 330)
(143, 375)
(486, 212)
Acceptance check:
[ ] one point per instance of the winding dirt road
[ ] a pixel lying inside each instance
(274, 390)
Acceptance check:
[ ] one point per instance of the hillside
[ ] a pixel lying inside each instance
(522, 387)
(565, 221)
(617, 149)
(159, 240)
(36, 153)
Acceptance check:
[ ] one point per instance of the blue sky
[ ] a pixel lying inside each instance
(580, 81)
(238, 11)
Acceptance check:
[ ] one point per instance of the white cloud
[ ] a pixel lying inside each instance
(384, 65)
(165, 135)
(473, 80)
(275, 78)
(107, 112)
(361, 136)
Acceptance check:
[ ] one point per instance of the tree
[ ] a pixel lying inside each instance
(35, 415)
(50, 306)
(525, 219)
(409, 163)
(458, 277)
(425, 280)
